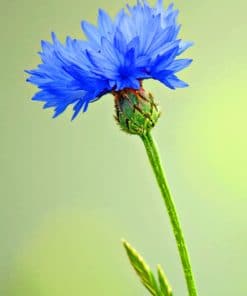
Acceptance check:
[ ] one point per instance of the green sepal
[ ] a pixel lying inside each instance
(142, 269)
(165, 287)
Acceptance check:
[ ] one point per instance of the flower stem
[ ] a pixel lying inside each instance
(167, 197)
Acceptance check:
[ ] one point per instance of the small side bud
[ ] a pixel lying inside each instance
(136, 111)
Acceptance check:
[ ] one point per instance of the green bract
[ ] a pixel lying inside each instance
(136, 111)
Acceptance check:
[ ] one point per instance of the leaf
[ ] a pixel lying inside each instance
(165, 287)
(142, 269)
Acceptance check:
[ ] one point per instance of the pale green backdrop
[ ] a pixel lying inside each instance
(71, 190)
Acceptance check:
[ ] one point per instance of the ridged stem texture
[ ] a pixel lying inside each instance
(154, 159)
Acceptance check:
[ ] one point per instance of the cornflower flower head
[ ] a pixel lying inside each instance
(140, 43)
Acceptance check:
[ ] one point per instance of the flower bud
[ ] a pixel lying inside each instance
(136, 111)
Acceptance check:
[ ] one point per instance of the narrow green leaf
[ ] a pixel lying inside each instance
(164, 284)
(142, 269)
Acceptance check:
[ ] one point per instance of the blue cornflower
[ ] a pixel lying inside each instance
(140, 43)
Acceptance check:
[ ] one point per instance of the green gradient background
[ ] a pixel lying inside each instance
(70, 190)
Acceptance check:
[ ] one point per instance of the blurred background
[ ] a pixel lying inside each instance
(71, 190)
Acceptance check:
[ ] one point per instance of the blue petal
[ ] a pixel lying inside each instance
(59, 109)
(105, 23)
(178, 65)
(119, 41)
(164, 60)
(173, 82)
(91, 32)
(184, 45)
(77, 108)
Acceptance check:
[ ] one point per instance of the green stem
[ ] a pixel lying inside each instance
(167, 197)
